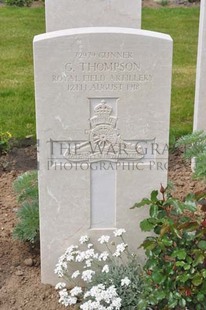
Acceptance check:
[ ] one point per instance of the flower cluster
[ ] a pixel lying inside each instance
(105, 274)
(101, 298)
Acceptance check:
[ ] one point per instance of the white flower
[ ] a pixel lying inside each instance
(104, 239)
(80, 257)
(61, 266)
(90, 305)
(71, 249)
(69, 254)
(69, 257)
(100, 296)
(103, 256)
(88, 263)
(85, 255)
(90, 245)
(105, 268)
(84, 239)
(87, 275)
(116, 303)
(75, 274)
(65, 299)
(58, 270)
(76, 291)
(119, 232)
(94, 291)
(60, 285)
(120, 248)
(125, 282)
(89, 254)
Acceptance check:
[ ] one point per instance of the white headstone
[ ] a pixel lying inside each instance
(103, 109)
(65, 14)
(200, 92)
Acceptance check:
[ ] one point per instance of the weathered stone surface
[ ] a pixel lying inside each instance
(99, 87)
(65, 14)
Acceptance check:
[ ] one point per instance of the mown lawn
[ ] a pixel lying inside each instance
(18, 27)
(182, 24)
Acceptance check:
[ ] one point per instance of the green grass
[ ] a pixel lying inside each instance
(182, 24)
(18, 27)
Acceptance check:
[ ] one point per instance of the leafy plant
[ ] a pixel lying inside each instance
(4, 141)
(175, 274)
(112, 278)
(18, 2)
(195, 148)
(26, 187)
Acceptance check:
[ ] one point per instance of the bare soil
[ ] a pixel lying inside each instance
(20, 286)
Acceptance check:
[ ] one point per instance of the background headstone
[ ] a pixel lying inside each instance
(200, 92)
(97, 85)
(65, 14)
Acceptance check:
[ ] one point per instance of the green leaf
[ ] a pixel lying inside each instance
(158, 277)
(178, 206)
(180, 264)
(197, 279)
(142, 304)
(204, 273)
(154, 211)
(165, 228)
(176, 232)
(154, 195)
(182, 302)
(190, 205)
(148, 244)
(166, 241)
(159, 295)
(151, 264)
(187, 267)
(199, 259)
(202, 245)
(172, 303)
(146, 225)
(180, 254)
(183, 278)
(142, 203)
(200, 297)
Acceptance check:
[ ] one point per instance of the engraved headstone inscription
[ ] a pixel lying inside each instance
(103, 109)
(200, 92)
(65, 14)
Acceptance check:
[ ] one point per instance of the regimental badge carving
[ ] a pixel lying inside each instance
(104, 141)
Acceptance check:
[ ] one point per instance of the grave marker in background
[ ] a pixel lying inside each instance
(200, 91)
(103, 109)
(66, 14)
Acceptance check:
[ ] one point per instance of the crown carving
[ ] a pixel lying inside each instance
(102, 115)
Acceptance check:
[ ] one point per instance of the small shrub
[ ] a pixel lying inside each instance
(112, 278)
(4, 141)
(26, 187)
(19, 3)
(28, 227)
(175, 274)
(195, 147)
